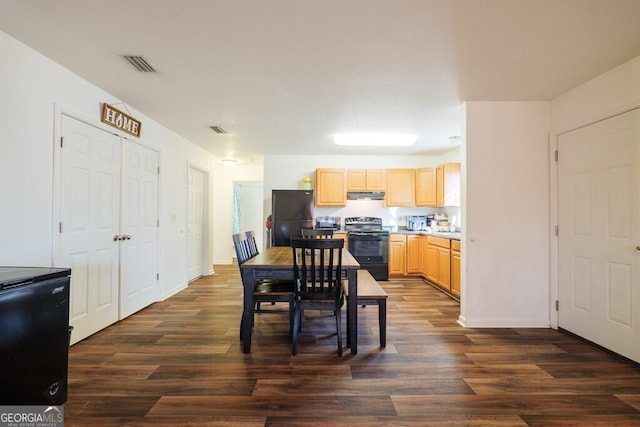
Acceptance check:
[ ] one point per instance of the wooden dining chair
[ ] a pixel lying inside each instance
(317, 269)
(309, 233)
(271, 291)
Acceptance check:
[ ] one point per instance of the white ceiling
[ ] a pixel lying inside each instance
(282, 76)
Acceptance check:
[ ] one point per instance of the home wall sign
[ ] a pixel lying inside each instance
(119, 120)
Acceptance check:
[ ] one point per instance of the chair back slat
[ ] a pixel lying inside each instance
(317, 266)
(241, 246)
(251, 242)
(309, 233)
(245, 245)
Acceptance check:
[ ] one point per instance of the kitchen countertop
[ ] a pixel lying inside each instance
(445, 235)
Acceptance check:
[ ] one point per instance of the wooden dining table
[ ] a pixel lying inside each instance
(276, 262)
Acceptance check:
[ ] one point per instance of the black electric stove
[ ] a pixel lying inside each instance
(369, 244)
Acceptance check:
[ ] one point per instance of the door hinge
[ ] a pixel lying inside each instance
(157, 276)
(157, 223)
(62, 142)
(60, 227)
(557, 231)
(556, 155)
(557, 305)
(158, 170)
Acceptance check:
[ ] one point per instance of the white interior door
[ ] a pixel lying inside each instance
(195, 223)
(599, 292)
(139, 228)
(89, 220)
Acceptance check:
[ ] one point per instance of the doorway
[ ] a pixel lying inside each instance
(247, 209)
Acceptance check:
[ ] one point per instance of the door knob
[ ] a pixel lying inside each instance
(126, 237)
(116, 238)
(638, 248)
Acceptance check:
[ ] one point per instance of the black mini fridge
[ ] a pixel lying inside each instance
(34, 335)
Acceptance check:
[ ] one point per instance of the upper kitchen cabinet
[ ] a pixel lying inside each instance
(366, 180)
(448, 184)
(331, 187)
(401, 184)
(426, 187)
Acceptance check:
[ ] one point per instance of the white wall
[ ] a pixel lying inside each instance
(609, 94)
(33, 89)
(505, 244)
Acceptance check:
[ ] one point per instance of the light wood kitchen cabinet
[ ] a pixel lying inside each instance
(366, 180)
(439, 262)
(331, 187)
(413, 254)
(424, 246)
(400, 187)
(426, 186)
(448, 184)
(344, 237)
(397, 254)
(455, 268)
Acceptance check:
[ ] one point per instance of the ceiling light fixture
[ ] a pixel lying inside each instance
(229, 162)
(375, 139)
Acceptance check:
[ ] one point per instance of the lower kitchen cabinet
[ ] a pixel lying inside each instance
(455, 268)
(344, 237)
(439, 262)
(397, 254)
(413, 254)
(434, 258)
(423, 242)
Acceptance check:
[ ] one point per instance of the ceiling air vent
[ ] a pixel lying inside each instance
(140, 64)
(217, 129)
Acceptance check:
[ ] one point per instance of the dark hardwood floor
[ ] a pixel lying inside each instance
(179, 363)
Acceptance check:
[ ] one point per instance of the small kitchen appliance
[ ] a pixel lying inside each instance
(328, 223)
(416, 222)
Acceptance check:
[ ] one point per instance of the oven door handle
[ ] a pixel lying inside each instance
(368, 236)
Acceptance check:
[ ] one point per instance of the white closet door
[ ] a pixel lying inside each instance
(195, 223)
(599, 232)
(89, 216)
(139, 228)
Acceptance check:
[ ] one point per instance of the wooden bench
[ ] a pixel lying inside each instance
(371, 293)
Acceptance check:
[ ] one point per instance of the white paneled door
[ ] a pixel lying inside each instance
(138, 228)
(108, 232)
(89, 220)
(195, 223)
(599, 233)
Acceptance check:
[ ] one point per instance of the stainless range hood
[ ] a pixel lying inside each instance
(365, 195)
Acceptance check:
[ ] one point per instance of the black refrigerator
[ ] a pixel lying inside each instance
(291, 211)
(34, 335)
